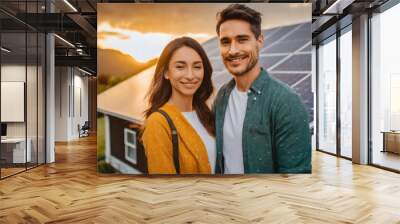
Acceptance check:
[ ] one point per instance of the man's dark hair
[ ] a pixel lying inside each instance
(241, 12)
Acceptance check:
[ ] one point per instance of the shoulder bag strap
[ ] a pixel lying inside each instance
(175, 146)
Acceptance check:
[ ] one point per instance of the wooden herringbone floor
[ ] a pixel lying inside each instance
(70, 191)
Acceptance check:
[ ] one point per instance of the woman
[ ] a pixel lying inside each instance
(181, 86)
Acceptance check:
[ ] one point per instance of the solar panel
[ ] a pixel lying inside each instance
(301, 32)
(286, 55)
(295, 63)
(217, 64)
(285, 46)
(269, 61)
(288, 78)
(220, 79)
(214, 51)
(303, 88)
(279, 33)
(307, 48)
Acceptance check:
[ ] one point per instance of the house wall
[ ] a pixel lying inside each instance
(116, 144)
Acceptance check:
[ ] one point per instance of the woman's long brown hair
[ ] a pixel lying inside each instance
(161, 90)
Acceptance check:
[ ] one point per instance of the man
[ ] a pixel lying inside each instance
(261, 124)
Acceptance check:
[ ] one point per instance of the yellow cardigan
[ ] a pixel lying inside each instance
(157, 141)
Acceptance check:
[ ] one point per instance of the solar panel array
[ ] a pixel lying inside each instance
(286, 55)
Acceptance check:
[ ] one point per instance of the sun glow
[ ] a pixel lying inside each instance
(141, 46)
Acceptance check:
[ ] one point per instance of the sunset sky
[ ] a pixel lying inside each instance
(141, 30)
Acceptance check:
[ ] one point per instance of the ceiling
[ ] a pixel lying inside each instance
(76, 22)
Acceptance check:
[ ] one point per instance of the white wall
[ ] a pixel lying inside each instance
(314, 90)
(71, 94)
(61, 103)
(12, 73)
(80, 100)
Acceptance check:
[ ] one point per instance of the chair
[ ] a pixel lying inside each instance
(84, 130)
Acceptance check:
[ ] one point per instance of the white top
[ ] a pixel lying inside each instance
(232, 132)
(208, 140)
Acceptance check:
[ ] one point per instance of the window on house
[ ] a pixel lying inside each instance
(130, 145)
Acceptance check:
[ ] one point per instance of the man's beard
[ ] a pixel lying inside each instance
(252, 63)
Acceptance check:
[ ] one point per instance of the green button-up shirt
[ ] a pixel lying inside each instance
(276, 134)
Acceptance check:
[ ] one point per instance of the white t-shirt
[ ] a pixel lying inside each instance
(208, 140)
(232, 132)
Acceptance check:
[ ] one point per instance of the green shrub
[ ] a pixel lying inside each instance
(103, 167)
(101, 157)
(100, 138)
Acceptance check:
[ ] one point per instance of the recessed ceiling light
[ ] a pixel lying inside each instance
(86, 72)
(337, 7)
(64, 40)
(70, 5)
(5, 50)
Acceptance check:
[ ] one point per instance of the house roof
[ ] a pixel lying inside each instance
(126, 100)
